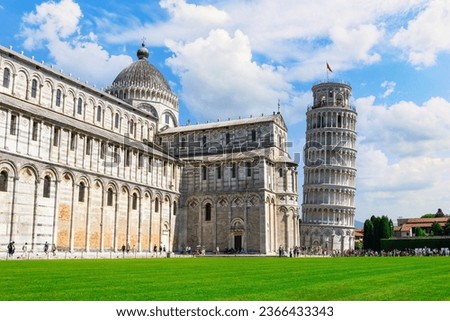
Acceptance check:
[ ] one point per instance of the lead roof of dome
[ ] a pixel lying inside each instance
(141, 73)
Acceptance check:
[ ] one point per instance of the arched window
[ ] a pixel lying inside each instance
(116, 120)
(208, 212)
(34, 88)
(134, 201)
(6, 77)
(132, 127)
(174, 208)
(4, 181)
(80, 106)
(81, 192)
(56, 134)
(88, 145)
(204, 172)
(219, 172)
(13, 125)
(73, 140)
(253, 135)
(156, 205)
(109, 197)
(280, 172)
(249, 168)
(99, 113)
(102, 150)
(47, 185)
(35, 130)
(127, 158)
(58, 97)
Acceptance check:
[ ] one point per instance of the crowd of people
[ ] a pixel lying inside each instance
(282, 252)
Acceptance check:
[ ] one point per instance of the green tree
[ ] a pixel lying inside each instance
(428, 216)
(447, 228)
(385, 227)
(377, 232)
(419, 231)
(436, 229)
(368, 235)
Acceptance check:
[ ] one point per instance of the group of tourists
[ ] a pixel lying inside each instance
(11, 249)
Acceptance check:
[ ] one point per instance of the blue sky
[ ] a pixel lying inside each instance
(238, 58)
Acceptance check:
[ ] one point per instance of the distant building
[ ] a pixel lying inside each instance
(328, 208)
(406, 226)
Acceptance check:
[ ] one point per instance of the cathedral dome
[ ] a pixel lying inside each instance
(141, 73)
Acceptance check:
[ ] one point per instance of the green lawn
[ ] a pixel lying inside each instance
(228, 278)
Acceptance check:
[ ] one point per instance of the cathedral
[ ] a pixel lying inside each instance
(95, 170)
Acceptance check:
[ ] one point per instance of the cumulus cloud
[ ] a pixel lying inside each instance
(405, 128)
(50, 22)
(220, 79)
(427, 35)
(403, 156)
(348, 33)
(56, 26)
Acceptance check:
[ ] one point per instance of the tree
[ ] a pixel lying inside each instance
(428, 216)
(385, 226)
(368, 235)
(375, 229)
(436, 229)
(447, 228)
(419, 231)
(439, 213)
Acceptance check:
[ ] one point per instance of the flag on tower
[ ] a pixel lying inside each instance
(329, 68)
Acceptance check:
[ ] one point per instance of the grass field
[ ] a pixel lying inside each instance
(228, 279)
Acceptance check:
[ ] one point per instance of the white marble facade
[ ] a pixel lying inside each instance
(91, 170)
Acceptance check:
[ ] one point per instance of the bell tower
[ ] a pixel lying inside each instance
(328, 207)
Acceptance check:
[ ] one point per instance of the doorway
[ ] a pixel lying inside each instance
(238, 242)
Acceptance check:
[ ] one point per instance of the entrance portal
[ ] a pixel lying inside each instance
(238, 242)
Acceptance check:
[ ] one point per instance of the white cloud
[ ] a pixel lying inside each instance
(403, 156)
(405, 128)
(184, 13)
(186, 23)
(50, 22)
(220, 79)
(427, 35)
(56, 26)
(390, 87)
(299, 34)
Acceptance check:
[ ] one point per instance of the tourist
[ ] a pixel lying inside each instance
(11, 248)
(46, 248)
(54, 249)
(25, 249)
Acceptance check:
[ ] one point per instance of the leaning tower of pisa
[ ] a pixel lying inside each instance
(328, 208)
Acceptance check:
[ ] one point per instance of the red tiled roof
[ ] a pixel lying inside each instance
(430, 220)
